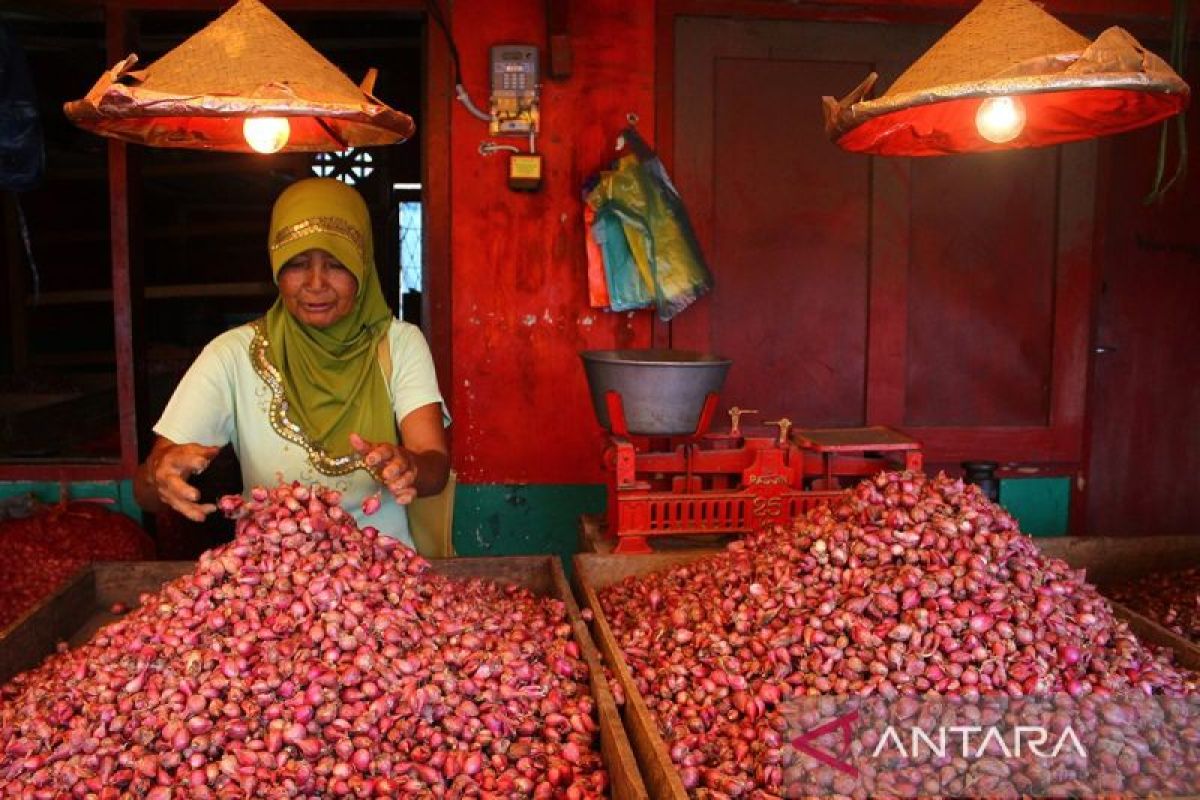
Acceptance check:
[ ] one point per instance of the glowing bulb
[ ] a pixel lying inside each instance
(266, 134)
(1000, 119)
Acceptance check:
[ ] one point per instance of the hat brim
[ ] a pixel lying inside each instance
(942, 123)
(215, 122)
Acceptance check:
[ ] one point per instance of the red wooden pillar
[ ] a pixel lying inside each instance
(126, 274)
(437, 293)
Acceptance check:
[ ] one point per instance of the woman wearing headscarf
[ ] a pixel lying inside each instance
(328, 387)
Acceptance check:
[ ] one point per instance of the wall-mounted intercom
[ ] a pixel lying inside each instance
(515, 90)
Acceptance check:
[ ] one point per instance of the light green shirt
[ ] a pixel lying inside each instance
(222, 400)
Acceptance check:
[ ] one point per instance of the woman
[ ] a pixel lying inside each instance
(327, 388)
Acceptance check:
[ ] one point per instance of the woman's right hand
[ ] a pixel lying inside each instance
(167, 469)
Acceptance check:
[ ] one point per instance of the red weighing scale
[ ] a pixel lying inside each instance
(735, 481)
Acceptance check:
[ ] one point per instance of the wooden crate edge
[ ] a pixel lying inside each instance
(1110, 560)
(1147, 630)
(28, 640)
(657, 769)
(614, 740)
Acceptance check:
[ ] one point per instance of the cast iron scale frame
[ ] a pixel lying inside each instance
(733, 482)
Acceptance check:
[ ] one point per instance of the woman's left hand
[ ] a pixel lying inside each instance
(391, 464)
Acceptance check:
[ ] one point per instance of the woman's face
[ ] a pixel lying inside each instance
(317, 289)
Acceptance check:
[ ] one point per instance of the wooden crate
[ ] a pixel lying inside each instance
(80, 607)
(1115, 559)
(594, 572)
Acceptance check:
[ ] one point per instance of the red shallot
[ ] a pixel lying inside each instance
(909, 586)
(310, 658)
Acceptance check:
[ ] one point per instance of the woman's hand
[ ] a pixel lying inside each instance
(418, 469)
(163, 478)
(391, 464)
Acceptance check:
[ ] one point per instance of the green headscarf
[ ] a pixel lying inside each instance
(331, 376)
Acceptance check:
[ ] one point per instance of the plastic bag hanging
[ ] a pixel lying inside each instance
(627, 290)
(647, 200)
(597, 280)
(628, 284)
(658, 235)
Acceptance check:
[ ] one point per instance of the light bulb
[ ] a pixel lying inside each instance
(1000, 119)
(266, 134)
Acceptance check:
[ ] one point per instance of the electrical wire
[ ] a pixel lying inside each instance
(34, 275)
(487, 148)
(460, 91)
(1178, 59)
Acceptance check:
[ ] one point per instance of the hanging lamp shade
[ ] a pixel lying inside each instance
(1009, 71)
(246, 64)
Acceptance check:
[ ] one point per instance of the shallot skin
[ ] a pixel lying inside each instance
(909, 586)
(310, 658)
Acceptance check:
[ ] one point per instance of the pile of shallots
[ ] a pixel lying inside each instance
(909, 586)
(1170, 598)
(28, 575)
(309, 658)
(39, 552)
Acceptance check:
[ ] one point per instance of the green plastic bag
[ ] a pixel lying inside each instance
(626, 288)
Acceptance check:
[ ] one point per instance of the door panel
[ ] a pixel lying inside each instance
(981, 290)
(1143, 476)
(783, 216)
(790, 242)
(948, 296)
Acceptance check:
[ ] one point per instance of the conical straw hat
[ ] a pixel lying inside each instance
(1071, 88)
(245, 63)
(995, 37)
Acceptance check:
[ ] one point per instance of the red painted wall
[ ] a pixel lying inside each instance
(520, 311)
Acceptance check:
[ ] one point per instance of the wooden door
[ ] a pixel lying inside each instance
(784, 217)
(945, 296)
(1145, 399)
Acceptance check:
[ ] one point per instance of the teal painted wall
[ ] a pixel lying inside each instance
(1039, 504)
(120, 492)
(522, 519)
